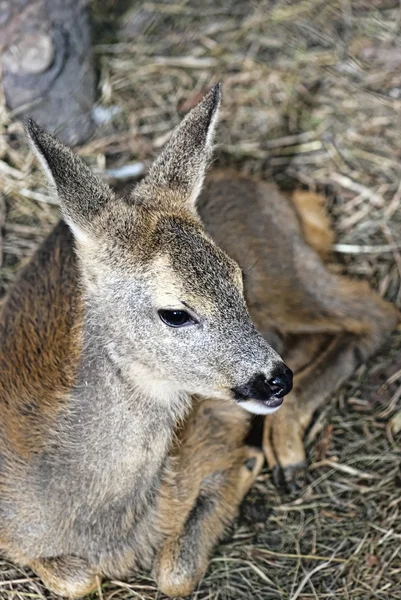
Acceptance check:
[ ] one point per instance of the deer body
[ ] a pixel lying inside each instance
(324, 325)
(117, 321)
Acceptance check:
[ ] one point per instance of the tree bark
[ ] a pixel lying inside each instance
(47, 65)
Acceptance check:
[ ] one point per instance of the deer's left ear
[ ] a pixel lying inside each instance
(82, 195)
(177, 174)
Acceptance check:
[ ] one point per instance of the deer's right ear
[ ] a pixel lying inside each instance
(82, 195)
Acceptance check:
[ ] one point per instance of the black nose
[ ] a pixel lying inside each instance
(270, 391)
(281, 383)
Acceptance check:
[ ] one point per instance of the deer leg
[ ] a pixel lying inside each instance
(214, 471)
(66, 576)
(364, 322)
(284, 430)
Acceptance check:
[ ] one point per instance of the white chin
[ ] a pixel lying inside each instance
(258, 408)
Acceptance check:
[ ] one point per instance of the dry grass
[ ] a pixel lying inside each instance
(312, 97)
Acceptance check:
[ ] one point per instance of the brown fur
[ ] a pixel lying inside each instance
(315, 223)
(324, 325)
(102, 466)
(38, 362)
(211, 470)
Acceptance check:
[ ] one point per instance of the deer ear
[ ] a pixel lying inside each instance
(81, 194)
(177, 174)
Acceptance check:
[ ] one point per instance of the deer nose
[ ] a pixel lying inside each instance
(269, 391)
(281, 383)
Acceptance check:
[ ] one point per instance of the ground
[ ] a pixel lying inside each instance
(311, 98)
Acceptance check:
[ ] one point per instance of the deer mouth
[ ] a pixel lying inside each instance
(261, 407)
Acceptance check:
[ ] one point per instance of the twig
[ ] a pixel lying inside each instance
(297, 556)
(345, 469)
(354, 249)
(309, 575)
(358, 188)
(394, 205)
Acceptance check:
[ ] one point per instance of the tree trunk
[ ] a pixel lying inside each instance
(47, 65)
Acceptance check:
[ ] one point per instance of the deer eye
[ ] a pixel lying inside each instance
(176, 318)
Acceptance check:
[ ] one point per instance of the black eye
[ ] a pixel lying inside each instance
(175, 318)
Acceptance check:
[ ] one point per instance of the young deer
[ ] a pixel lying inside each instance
(123, 314)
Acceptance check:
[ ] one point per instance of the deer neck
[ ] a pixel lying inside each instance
(121, 428)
